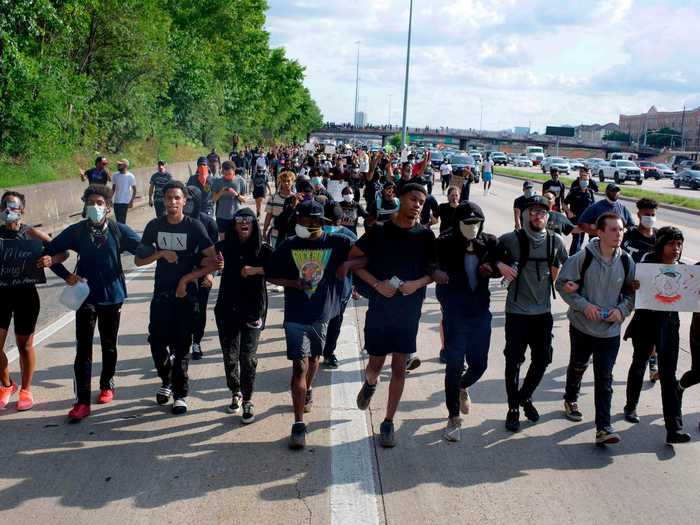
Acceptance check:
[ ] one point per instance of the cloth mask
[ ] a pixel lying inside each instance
(348, 197)
(469, 231)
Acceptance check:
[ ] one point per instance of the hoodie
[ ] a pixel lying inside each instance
(603, 287)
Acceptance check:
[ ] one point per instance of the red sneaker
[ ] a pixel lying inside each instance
(25, 400)
(79, 411)
(106, 396)
(6, 393)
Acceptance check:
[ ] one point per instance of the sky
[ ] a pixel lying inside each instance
(494, 64)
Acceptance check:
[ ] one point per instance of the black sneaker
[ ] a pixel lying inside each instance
(235, 406)
(572, 412)
(530, 411)
(442, 358)
(630, 415)
(163, 395)
(365, 395)
(297, 439)
(673, 438)
(607, 436)
(513, 419)
(412, 363)
(330, 362)
(308, 400)
(386, 434)
(196, 352)
(248, 415)
(180, 406)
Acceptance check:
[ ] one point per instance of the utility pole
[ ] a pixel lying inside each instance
(405, 85)
(357, 82)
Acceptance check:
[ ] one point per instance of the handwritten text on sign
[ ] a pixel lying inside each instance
(18, 262)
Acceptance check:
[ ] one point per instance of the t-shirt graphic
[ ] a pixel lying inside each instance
(172, 241)
(311, 265)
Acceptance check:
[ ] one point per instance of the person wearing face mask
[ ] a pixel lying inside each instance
(320, 192)
(529, 261)
(351, 210)
(228, 193)
(286, 221)
(99, 243)
(203, 180)
(21, 302)
(468, 257)
(610, 204)
(557, 188)
(640, 240)
(576, 202)
(520, 203)
(306, 265)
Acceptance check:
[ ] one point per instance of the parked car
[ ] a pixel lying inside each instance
(576, 164)
(665, 171)
(499, 158)
(685, 165)
(476, 155)
(592, 163)
(559, 163)
(523, 161)
(649, 169)
(619, 171)
(689, 178)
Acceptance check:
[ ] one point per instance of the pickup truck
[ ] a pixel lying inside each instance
(619, 171)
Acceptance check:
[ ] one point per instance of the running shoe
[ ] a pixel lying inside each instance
(106, 396)
(365, 395)
(387, 439)
(235, 406)
(453, 430)
(653, 375)
(248, 413)
(6, 393)
(163, 395)
(180, 406)
(607, 436)
(25, 400)
(572, 412)
(412, 363)
(196, 352)
(78, 412)
(297, 439)
(673, 438)
(530, 411)
(330, 362)
(465, 402)
(308, 400)
(513, 420)
(631, 415)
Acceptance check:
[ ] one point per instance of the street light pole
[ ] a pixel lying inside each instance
(405, 85)
(357, 82)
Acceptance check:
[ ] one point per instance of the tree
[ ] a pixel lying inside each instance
(395, 141)
(618, 136)
(663, 138)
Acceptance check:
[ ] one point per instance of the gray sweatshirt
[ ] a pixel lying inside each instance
(603, 282)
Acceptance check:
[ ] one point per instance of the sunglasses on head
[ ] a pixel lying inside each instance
(244, 219)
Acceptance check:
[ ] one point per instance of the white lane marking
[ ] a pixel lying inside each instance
(43, 334)
(353, 492)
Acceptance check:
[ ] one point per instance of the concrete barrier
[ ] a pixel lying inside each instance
(53, 205)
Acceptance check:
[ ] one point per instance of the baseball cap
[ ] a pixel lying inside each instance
(469, 213)
(312, 208)
(201, 161)
(161, 163)
(528, 185)
(123, 162)
(537, 201)
(612, 188)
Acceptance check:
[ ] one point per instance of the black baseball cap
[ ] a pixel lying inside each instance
(537, 201)
(469, 213)
(612, 188)
(312, 208)
(161, 163)
(528, 184)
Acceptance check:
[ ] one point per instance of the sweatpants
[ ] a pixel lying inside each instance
(239, 345)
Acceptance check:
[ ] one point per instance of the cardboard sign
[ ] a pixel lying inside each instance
(309, 148)
(669, 288)
(457, 181)
(18, 262)
(335, 188)
(329, 149)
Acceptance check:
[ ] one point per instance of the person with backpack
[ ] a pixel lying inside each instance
(596, 283)
(99, 242)
(529, 261)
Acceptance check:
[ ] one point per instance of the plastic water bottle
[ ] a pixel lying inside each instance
(505, 282)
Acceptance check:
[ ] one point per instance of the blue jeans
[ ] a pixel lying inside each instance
(465, 338)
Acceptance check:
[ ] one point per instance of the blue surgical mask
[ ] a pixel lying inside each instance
(583, 184)
(316, 181)
(528, 193)
(95, 213)
(330, 229)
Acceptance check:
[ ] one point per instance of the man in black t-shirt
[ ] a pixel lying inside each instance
(400, 260)
(576, 202)
(155, 190)
(556, 188)
(97, 175)
(520, 203)
(184, 254)
(306, 265)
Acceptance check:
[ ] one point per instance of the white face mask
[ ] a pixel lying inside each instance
(302, 231)
(348, 197)
(647, 221)
(95, 213)
(528, 193)
(469, 231)
(10, 216)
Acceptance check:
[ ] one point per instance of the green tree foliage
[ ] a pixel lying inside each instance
(395, 141)
(663, 138)
(618, 136)
(96, 74)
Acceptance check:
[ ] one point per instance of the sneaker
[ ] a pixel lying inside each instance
(330, 362)
(308, 401)
(453, 430)
(386, 434)
(673, 438)
(653, 375)
(513, 420)
(465, 402)
(248, 413)
(6, 393)
(631, 415)
(163, 395)
(25, 400)
(106, 396)
(78, 412)
(530, 411)
(572, 412)
(607, 436)
(412, 363)
(196, 352)
(297, 439)
(180, 406)
(442, 357)
(365, 395)
(235, 406)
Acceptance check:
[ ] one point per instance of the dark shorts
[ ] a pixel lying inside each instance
(258, 194)
(305, 340)
(383, 338)
(21, 303)
(223, 225)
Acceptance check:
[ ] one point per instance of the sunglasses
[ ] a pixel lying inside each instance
(243, 220)
(538, 213)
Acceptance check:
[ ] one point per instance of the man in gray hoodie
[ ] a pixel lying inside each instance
(596, 283)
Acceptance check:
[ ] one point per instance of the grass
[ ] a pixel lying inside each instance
(631, 192)
(146, 153)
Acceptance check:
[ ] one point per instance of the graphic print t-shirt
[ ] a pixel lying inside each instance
(315, 262)
(188, 239)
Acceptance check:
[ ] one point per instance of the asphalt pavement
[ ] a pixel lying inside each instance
(132, 461)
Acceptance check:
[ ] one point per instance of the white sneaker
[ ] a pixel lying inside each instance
(453, 430)
(465, 402)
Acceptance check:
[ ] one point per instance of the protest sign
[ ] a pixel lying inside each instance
(335, 189)
(329, 149)
(309, 148)
(18, 262)
(457, 181)
(670, 288)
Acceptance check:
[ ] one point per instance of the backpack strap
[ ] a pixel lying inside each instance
(523, 256)
(587, 260)
(550, 261)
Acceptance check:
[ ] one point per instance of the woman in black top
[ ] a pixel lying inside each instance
(447, 210)
(241, 307)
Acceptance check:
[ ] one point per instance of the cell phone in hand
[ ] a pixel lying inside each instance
(395, 282)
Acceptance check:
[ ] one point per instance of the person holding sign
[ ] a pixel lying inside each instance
(20, 299)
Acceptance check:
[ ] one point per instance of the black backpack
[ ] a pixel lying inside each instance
(524, 248)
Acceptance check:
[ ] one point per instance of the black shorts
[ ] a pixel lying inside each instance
(22, 303)
(258, 193)
(383, 338)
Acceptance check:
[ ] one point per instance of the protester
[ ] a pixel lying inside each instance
(275, 205)
(529, 261)
(384, 206)
(576, 202)
(214, 161)
(596, 283)
(557, 188)
(155, 190)
(260, 189)
(447, 210)
(400, 261)
(445, 174)
(589, 218)
(558, 222)
(228, 193)
(241, 308)
(97, 175)
(306, 265)
(520, 203)
(184, 254)
(467, 256)
(22, 302)
(203, 180)
(99, 243)
(487, 175)
(123, 190)
(351, 210)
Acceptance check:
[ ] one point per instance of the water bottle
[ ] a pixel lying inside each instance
(505, 282)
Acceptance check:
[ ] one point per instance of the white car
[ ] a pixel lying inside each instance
(476, 155)
(522, 161)
(576, 164)
(619, 171)
(665, 171)
(559, 163)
